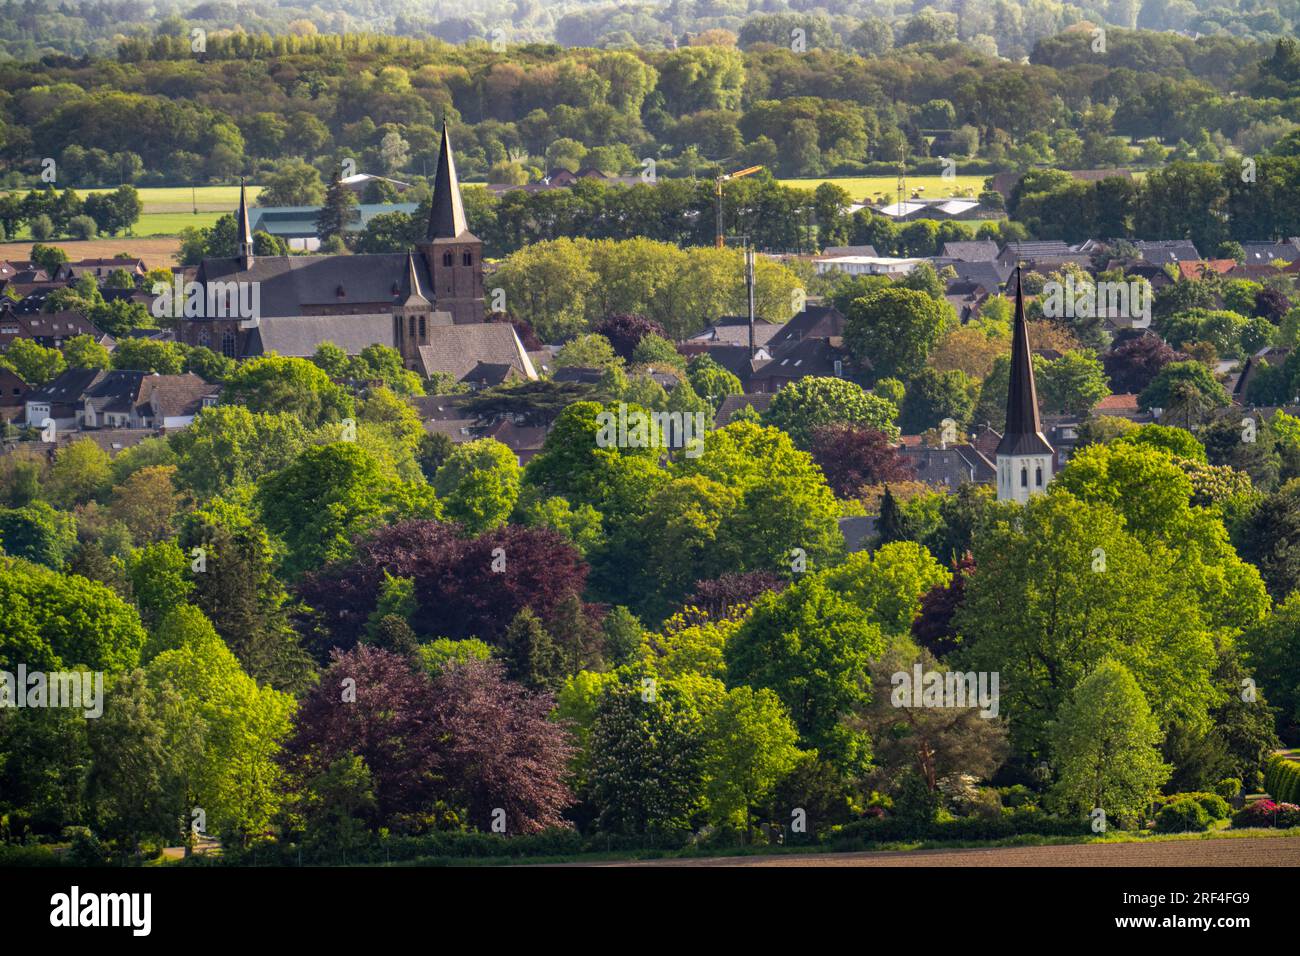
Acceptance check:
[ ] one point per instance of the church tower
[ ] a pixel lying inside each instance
(245, 231)
(1024, 457)
(453, 254)
(412, 315)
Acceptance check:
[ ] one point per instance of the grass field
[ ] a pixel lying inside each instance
(179, 199)
(157, 252)
(869, 187)
(169, 209)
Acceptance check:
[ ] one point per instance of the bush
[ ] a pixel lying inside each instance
(1012, 823)
(82, 227)
(1213, 804)
(1282, 779)
(41, 228)
(86, 850)
(14, 855)
(1266, 813)
(1229, 788)
(1183, 815)
(1018, 796)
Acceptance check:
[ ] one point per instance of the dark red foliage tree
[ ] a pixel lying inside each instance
(932, 628)
(1133, 364)
(499, 749)
(458, 592)
(1271, 304)
(852, 456)
(370, 703)
(718, 597)
(625, 330)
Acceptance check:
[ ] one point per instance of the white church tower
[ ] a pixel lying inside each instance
(1024, 457)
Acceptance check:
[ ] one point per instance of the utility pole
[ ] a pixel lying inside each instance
(902, 175)
(749, 291)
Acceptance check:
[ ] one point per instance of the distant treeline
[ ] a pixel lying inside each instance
(159, 113)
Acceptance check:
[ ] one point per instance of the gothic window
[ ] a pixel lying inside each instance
(421, 328)
(228, 343)
(446, 258)
(1024, 477)
(411, 326)
(1038, 476)
(467, 258)
(205, 339)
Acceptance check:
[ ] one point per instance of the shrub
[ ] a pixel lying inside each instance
(1183, 815)
(1213, 804)
(1228, 788)
(1266, 813)
(1012, 823)
(1018, 796)
(1282, 779)
(82, 227)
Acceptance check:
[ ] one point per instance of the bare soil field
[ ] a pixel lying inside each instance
(1243, 851)
(156, 252)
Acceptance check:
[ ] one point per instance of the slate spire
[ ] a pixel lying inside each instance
(245, 231)
(447, 214)
(413, 291)
(1024, 431)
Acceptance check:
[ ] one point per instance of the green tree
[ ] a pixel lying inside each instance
(1105, 746)
(894, 328)
(229, 445)
(34, 364)
(236, 778)
(812, 648)
(329, 495)
(274, 384)
(82, 351)
(479, 484)
(802, 405)
(81, 472)
(38, 533)
(645, 757)
(749, 747)
(338, 213)
(1068, 588)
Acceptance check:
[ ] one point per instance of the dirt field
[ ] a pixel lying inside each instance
(155, 252)
(1245, 851)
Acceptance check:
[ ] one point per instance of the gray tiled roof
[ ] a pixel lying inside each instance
(984, 250)
(290, 285)
(300, 336)
(457, 350)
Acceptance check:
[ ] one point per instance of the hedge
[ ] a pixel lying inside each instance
(1282, 779)
(894, 829)
(444, 845)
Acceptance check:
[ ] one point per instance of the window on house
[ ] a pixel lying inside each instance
(467, 258)
(446, 258)
(228, 343)
(1024, 477)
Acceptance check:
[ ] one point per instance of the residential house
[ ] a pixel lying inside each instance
(13, 394)
(91, 398)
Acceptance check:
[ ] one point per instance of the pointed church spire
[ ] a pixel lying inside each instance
(447, 215)
(245, 231)
(414, 294)
(1024, 431)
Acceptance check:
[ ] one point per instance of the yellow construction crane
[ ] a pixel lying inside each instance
(727, 177)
